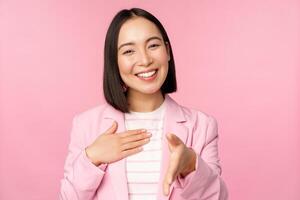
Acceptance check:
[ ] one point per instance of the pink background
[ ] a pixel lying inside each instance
(236, 60)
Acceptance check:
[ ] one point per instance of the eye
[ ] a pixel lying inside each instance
(128, 52)
(154, 46)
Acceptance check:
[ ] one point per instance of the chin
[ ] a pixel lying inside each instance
(148, 90)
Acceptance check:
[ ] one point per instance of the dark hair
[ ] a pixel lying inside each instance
(112, 82)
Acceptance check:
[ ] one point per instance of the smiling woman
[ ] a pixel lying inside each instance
(141, 144)
(136, 43)
(142, 58)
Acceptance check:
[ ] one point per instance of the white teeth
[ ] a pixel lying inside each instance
(147, 74)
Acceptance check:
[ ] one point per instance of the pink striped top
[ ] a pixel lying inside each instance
(143, 169)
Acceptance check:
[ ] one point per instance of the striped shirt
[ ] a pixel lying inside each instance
(143, 168)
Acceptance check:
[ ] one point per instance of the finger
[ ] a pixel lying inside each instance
(167, 183)
(173, 139)
(132, 132)
(112, 129)
(135, 137)
(135, 144)
(168, 179)
(171, 172)
(131, 152)
(166, 188)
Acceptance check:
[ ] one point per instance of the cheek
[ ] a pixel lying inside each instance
(164, 71)
(125, 66)
(161, 56)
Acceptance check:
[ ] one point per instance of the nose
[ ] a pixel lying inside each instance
(145, 58)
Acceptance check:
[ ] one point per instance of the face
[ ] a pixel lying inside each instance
(142, 56)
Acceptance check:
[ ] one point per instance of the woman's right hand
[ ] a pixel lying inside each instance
(110, 147)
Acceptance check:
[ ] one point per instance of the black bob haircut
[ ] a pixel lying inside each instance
(112, 82)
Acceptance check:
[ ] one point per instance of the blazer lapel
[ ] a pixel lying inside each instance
(174, 123)
(116, 170)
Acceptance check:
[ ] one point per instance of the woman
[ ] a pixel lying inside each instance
(141, 144)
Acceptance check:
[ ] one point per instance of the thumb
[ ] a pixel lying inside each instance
(112, 129)
(173, 140)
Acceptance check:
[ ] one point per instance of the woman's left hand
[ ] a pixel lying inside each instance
(182, 161)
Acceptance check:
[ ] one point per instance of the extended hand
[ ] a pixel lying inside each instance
(182, 161)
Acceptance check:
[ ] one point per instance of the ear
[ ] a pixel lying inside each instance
(168, 50)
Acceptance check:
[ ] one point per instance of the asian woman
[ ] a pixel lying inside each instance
(141, 144)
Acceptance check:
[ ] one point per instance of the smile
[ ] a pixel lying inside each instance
(147, 76)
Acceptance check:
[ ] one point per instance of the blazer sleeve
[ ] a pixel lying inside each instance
(205, 182)
(81, 177)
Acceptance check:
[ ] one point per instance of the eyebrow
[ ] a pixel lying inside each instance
(132, 43)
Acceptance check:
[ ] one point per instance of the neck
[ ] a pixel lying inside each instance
(139, 102)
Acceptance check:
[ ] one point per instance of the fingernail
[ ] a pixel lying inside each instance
(166, 192)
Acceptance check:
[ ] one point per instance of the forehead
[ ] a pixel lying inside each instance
(137, 29)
